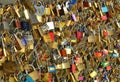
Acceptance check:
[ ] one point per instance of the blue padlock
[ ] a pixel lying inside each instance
(25, 25)
(115, 55)
(23, 41)
(104, 9)
(51, 69)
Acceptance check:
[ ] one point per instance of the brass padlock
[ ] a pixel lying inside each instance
(36, 33)
(11, 79)
(46, 38)
(34, 74)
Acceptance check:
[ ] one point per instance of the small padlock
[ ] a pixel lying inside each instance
(93, 74)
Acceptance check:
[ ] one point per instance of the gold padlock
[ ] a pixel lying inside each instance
(34, 74)
(1, 10)
(11, 79)
(46, 38)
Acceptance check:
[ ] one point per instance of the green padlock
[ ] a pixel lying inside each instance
(104, 64)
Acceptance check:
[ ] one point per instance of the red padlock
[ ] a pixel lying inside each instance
(105, 33)
(63, 52)
(18, 24)
(108, 68)
(98, 54)
(104, 17)
(76, 58)
(79, 35)
(86, 4)
(73, 68)
(51, 34)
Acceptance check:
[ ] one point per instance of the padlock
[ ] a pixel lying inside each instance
(26, 13)
(86, 3)
(29, 39)
(80, 67)
(104, 8)
(25, 25)
(74, 17)
(34, 74)
(5, 23)
(52, 36)
(81, 78)
(47, 11)
(39, 9)
(35, 32)
(1, 10)
(65, 65)
(19, 46)
(11, 79)
(73, 79)
(46, 38)
(63, 52)
(93, 74)
(98, 54)
(51, 69)
(39, 19)
(79, 35)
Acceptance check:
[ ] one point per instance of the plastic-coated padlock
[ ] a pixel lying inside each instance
(79, 35)
(104, 9)
(98, 54)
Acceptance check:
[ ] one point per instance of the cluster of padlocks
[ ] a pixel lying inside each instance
(60, 41)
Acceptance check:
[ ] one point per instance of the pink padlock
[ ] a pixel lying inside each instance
(81, 78)
(74, 17)
(104, 17)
